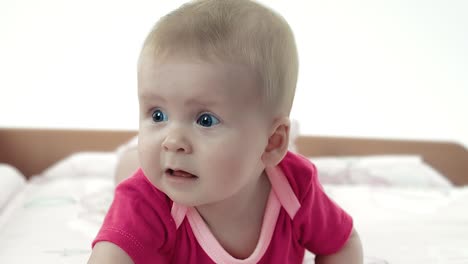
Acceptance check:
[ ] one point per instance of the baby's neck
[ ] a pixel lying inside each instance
(236, 222)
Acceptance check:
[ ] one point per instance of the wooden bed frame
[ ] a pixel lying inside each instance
(33, 150)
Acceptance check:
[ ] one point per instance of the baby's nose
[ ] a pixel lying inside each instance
(176, 142)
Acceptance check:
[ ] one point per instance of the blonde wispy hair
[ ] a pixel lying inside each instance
(236, 31)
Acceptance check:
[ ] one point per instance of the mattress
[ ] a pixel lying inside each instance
(54, 217)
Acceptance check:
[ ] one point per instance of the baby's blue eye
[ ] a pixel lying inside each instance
(207, 120)
(159, 116)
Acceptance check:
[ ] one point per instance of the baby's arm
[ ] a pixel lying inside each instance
(350, 253)
(106, 252)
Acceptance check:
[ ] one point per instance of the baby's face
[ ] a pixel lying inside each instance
(202, 131)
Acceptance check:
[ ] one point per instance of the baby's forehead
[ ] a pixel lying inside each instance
(220, 80)
(199, 71)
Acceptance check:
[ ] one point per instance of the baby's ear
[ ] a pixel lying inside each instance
(277, 142)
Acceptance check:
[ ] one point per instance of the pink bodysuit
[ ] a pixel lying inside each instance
(151, 228)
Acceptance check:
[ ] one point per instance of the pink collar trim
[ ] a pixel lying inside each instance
(217, 253)
(281, 195)
(283, 190)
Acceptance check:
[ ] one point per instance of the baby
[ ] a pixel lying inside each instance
(217, 184)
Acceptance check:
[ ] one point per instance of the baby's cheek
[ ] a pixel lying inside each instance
(228, 159)
(149, 161)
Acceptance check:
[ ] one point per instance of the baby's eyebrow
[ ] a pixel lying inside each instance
(206, 102)
(199, 100)
(151, 96)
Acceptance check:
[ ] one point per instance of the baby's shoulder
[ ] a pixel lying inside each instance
(300, 172)
(139, 219)
(138, 192)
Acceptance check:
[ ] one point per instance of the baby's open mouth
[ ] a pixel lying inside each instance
(180, 173)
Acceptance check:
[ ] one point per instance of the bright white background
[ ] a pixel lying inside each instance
(393, 69)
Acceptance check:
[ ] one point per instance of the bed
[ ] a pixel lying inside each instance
(408, 198)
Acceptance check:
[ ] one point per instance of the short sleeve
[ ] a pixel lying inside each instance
(322, 226)
(139, 222)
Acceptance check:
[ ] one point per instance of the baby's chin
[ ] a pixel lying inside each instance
(183, 200)
(190, 199)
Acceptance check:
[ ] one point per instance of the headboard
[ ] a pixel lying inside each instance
(33, 150)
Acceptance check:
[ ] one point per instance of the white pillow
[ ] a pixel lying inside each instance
(84, 164)
(383, 170)
(11, 181)
(293, 134)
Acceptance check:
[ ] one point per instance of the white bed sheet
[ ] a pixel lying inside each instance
(408, 225)
(56, 216)
(48, 222)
